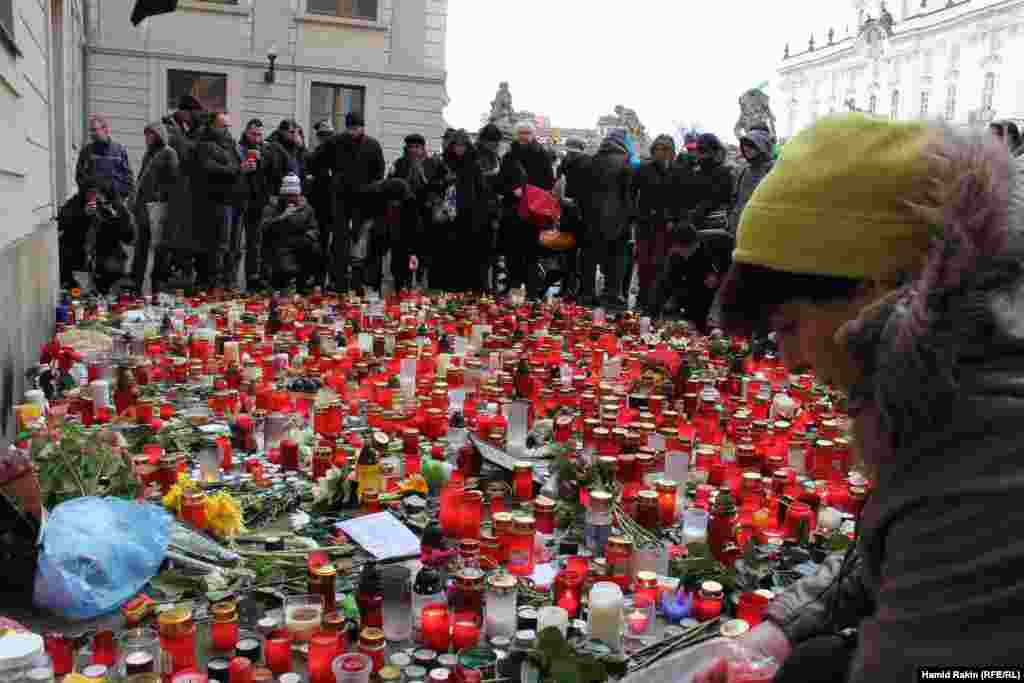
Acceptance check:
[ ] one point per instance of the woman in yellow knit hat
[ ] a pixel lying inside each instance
(887, 258)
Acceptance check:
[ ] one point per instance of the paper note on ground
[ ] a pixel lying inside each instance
(381, 535)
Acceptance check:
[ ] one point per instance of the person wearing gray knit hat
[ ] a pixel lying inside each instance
(575, 144)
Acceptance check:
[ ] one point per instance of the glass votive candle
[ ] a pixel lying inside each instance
(695, 524)
(708, 603)
(465, 634)
(640, 617)
(302, 616)
(323, 649)
(352, 668)
(435, 624)
(139, 652)
(751, 606)
(224, 630)
(61, 650)
(104, 651)
(277, 650)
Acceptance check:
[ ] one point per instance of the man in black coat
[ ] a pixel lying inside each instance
(488, 157)
(607, 209)
(573, 172)
(423, 176)
(712, 181)
(355, 161)
(250, 149)
(104, 159)
(218, 189)
(525, 163)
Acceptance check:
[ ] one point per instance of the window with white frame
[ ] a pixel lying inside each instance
(925, 96)
(894, 105)
(873, 104)
(330, 102)
(950, 102)
(346, 9)
(988, 91)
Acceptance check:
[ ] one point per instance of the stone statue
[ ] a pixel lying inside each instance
(785, 52)
(810, 44)
(754, 109)
(502, 114)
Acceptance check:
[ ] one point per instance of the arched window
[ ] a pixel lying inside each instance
(925, 96)
(988, 91)
(951, 102)
(894, 105)
(873, 104)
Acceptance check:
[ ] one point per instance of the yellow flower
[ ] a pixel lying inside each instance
(172, 500)
(223, 516)
(415, 483)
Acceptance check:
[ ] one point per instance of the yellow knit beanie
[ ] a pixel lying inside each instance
(836, 202)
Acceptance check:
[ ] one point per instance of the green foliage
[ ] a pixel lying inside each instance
(559, 662)
(79, 464)
(699, 565)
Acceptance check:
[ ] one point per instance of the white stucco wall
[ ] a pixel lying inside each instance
(930, 50)
(404, 87)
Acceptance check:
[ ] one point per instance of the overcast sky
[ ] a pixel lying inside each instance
(574, 60)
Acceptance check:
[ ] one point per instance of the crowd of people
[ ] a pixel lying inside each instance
(209, 208)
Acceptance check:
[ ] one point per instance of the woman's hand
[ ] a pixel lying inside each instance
(765, 640)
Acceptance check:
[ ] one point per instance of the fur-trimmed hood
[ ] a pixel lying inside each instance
(928, 345)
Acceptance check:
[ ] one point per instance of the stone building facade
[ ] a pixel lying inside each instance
(956, 60)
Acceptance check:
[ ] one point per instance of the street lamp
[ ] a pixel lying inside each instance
(269, 76)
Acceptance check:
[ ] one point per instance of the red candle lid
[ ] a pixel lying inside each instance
(352, 663)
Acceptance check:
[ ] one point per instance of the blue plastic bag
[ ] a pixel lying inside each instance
(98, 553)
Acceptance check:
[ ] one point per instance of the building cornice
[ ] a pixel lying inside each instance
(438, 78)
(811, 59)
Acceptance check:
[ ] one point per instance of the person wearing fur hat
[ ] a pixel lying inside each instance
(756, 150)
(657, 194)
(525, 163)
(887, 257)
(291, 239)
(355, 162)
(607, 205)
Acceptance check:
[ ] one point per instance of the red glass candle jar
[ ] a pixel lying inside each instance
(289, 456)
(277, 650)
(568, 590)
(520, 547)
(103, 649)
(751, 606)
(646, 587)
(61, 650)
(647, 514)
(619, 555)
(465, 635)
(471, 514)
(322, 582)
(177, 640)
(323, 459)
(544, 514)
(522, 481)
(436, 624)
(193, 508)
(240, 670)
(451, 509)
(563, 428)
(224, 631)
(503, 527)
(468, 599)
(323, 648)
(799, 514)
(667, 491)
(707, 605)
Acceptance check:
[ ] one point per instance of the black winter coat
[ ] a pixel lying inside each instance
(217, 183)
(608, 198)
(355, 164)
(291, 241)
(526, 165)
(278, 160)
(712, 186)
(659, 194)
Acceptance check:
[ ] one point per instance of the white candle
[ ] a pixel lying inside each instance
(606, 614)
(555, 617)
(829, 519)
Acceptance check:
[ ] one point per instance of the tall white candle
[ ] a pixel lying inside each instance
(100, 393)
(606, 614)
